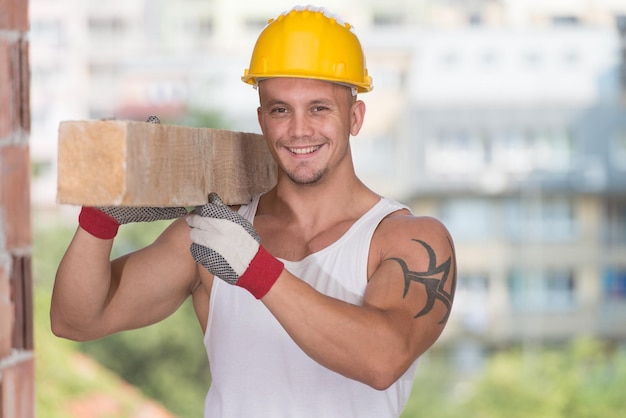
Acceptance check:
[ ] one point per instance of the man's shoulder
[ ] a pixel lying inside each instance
(403, 220)
(402, 226)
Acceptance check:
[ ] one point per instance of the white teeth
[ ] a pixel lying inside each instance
(306, 150)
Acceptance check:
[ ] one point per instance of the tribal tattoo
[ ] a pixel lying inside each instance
(434, 279)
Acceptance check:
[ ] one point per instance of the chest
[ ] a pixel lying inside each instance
(293, 242)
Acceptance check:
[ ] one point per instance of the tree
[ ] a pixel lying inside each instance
(584, 379)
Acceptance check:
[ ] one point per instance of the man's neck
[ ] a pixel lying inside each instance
(314, 202)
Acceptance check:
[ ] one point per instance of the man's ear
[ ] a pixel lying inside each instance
(357, 114)
(259, 118)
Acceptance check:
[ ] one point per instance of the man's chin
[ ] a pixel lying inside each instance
(306, 180)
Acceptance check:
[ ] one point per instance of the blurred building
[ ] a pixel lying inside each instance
(505, 119)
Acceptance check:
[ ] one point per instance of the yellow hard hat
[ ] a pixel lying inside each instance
(309, 43)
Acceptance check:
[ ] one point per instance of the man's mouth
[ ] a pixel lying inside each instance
(305, 150)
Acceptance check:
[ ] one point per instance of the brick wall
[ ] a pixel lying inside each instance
(16, 333)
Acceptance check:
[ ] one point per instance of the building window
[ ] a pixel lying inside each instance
(549, 149)
(103, 69)
(615, 221)
(450, 59)
(618, 149)
(552, 150)
(387, 19)
(513, 151)
(46, 72)
(571, 57)
(105, 28)
(475, 19)
(254, 24)
(614, 284)
(47, 32)
(532, 58)
(489, 58)
(533, 290)
(456, 151)
(471, 301)
(469, 219)
(205, 27)
(540, 218)
(565, 20)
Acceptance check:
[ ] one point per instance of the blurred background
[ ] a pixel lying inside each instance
(506, 119)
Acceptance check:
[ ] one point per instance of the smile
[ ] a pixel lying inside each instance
(307, 150)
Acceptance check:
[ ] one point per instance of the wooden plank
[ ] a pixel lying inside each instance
(129, 163)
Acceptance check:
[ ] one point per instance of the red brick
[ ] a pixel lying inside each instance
(14, 88)
(17, 390)
(21, 284)
(6, 102)
(15, 196)
(7, 316)
(14, 14)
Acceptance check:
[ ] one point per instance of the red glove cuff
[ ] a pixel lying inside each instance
(97, 223)
(262, 273)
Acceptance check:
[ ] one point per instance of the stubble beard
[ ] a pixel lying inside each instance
(305, 180)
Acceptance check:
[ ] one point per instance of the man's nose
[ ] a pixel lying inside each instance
(300, 125)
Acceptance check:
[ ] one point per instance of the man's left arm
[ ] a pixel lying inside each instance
(406, 305)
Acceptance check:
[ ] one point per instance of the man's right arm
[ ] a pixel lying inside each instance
(94, 297)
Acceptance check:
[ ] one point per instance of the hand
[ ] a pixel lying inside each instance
(228, 246)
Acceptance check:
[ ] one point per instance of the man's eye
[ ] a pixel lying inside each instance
(279, 112)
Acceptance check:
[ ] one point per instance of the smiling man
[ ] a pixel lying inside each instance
(318, 297)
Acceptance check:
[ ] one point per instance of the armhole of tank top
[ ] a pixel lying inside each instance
(377, 216)
(390, 207)
(249, 210)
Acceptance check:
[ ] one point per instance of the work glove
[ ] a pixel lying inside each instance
(104, 222)
(228, 246)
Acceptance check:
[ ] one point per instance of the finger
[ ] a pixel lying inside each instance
(197, 221)
(168, 213)
(216, 228)
(216, 211)
(215, 199)
(199, 236)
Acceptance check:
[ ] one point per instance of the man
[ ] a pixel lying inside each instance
(328, 316)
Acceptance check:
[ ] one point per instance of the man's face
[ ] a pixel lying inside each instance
(307, 125)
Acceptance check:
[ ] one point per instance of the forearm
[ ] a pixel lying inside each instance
(82, 286)
(360, 342)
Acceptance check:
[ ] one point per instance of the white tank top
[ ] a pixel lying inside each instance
(258, 371)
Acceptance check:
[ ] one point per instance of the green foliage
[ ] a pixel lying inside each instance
(584, 379)
(431, 393)
(166, 361)
(51, 239)
(201, 118)
(68, 382)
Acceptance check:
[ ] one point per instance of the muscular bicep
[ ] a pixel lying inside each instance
(149, 284)
(415, 279)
